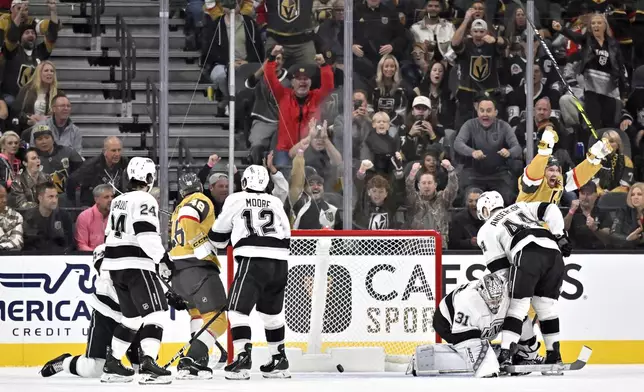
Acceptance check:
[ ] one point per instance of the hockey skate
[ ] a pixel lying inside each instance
(240, 369)
(506, 357)
(189, 369)
(218, 361)
(527, 356)
(54, 366)
(152, 373)
(553, 357)
(277, 367)
(114, 371)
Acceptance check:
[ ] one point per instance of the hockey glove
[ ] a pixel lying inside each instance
(599, 151)
(564, 244)
(175, 300)
(165, 268)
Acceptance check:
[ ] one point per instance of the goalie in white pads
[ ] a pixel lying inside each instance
(468, 318)
(258, 228)
(516, 235)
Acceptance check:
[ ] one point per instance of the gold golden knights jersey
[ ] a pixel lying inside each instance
(533, 186)
(191, 221)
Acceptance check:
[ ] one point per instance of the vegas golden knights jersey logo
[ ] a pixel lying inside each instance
(480, 67)
(289, 10)
(25, 74)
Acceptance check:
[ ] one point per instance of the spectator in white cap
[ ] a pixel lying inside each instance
(421, 131)
(478, 57)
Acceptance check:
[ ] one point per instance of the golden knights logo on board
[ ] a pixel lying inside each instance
(480, 67)
(289, 10)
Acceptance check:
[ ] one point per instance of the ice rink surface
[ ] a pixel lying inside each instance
(593, 378)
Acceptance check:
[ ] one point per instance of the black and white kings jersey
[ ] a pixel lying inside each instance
(132, 238)
(255, 223)
(508, 231)
(469, 316)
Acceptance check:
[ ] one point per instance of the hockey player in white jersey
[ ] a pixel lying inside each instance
(105, 317)
(469, 318)
(134, 254)
(258, 228)
(516, 236)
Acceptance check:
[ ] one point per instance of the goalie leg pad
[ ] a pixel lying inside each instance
(475, 356)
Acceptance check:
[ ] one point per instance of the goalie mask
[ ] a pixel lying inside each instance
(488, 202)
(493, 289)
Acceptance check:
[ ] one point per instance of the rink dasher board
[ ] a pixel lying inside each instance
(45, 311)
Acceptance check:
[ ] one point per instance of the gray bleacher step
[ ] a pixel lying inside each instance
(68, 39)
(190, 131)
(72, 70)
(196, 152)
(41, 9)
(114, 53)
(101, 119)
(199, 106)
(130, 20)
(137, 86)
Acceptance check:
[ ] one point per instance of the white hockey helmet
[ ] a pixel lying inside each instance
(493, 289)
(255, 178)
(143, 170)
(488, 202)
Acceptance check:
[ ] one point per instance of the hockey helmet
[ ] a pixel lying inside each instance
(488, 202)
(189, 183)
(493, 289)
(142, 170)
(255, 178)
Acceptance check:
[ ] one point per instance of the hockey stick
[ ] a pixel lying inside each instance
(582, 359)
(196, 335)
(575, 100)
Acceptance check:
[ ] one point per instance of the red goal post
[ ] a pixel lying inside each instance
(357, 297)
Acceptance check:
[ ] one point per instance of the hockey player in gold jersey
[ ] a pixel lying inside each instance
(197, 274)
(543, 181)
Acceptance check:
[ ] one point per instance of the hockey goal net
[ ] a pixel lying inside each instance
(366, 297)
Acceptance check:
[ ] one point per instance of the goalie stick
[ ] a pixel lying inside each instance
(196, 335)
(576, 100)
(581, 361)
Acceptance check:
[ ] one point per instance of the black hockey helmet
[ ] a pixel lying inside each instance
(189, 183)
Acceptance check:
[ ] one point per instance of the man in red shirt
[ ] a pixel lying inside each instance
(297, 105)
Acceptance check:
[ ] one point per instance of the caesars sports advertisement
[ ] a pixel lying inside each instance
(48, 299)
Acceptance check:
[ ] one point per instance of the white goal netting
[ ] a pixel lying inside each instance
(362, 289)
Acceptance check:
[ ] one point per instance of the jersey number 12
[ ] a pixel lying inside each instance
(267, 216)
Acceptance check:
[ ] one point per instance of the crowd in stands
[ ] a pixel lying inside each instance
(439, 102)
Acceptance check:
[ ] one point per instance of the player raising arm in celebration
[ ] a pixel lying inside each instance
(258, 228)
(543, 181)
(133, 252)
(196, 278)
(515, 236)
